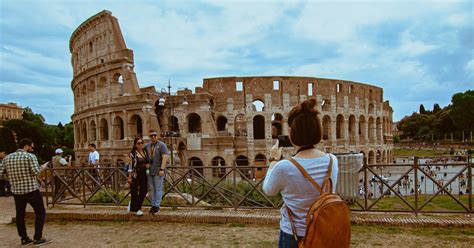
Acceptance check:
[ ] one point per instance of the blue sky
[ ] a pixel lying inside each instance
(420, 52)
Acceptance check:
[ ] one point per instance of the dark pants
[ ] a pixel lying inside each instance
(35, 199)
(138, 190)
(287, 240)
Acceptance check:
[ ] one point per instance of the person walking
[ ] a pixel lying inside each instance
(285, 178)
(22, 169)
(138, 160)
(158, 152)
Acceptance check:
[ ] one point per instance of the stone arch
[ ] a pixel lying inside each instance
(240, 125)
(371, 108)
(371, 130)
(259, 127)
(277, 125)
(340, 127)
(258, 105)
(104, 129)
(379, 130)
(384, 156)
(194, 123)
(327, 130)
(364, 157)
(217, 163)
(362, 129)
(119, 133)
(84, 95)
(241, 161)
(221, 123)
(91, 92)
(117, 80)
(84, 133)
(136, 125)
(92, 130)
(261, 161)
(371, 158)
(102, 90)
(195, 161)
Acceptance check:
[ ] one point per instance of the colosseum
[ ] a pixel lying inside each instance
(228, 121)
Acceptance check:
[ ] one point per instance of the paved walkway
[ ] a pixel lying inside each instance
(193, 215)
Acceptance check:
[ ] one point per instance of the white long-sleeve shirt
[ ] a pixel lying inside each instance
(297, 192)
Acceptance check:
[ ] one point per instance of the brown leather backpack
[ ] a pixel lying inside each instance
(328, 222)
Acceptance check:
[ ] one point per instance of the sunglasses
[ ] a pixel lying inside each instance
(139, 143)
(152, 135)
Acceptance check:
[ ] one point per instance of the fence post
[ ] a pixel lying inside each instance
(365, 184)
(415, 165)
(46, 188)
(83, 186)
(234, 182)
(469, 182)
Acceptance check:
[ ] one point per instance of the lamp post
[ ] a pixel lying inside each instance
(170, 134)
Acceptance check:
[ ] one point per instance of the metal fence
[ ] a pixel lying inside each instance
(420, 186)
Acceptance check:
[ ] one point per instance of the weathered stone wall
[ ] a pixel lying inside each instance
(220, 123)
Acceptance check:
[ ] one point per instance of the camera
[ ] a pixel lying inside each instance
(284, 141)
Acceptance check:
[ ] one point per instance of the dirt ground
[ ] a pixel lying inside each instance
(160, 234)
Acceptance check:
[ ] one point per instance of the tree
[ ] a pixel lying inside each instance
(7, 141)
(28, 115)
(462, 111)
(436, 108)
(422, 109)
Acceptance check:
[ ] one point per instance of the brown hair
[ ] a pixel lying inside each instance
(304, 122)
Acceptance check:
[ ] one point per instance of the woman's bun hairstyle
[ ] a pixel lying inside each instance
(305, 125)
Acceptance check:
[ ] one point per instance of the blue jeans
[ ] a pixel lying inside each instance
(287, 240)
(155, 185)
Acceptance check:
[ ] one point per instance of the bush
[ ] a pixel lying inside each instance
(103, 197)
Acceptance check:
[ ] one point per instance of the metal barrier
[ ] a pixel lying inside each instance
(379, 187)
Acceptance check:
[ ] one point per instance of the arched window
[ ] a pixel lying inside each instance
(371, 158)
(340, 127)
(260, 160)
(102, 90)
(136, 126)
(217, 163)
(258, 105)
(84, 99)
(258, 127)
(221, 123)
(362, 128)
(195, 161)
(243, 161)
(118, 128)
(277, 125)
(174, 124)
(371, 130)
(92, 131)
(194, 123)
(92, 92)
(104, 130)
(379, 130)
(326, 127)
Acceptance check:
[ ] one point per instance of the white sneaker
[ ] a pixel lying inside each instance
(139, 213)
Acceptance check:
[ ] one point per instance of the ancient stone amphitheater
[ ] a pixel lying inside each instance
(228, 121)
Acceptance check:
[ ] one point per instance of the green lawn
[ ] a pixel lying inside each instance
(439, 203)
(397, 152)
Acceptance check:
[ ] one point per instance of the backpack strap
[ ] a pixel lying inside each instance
(293, 228)
(307, 176)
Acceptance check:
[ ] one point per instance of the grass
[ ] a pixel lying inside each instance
(439, 203)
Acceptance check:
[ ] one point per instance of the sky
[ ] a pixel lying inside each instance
(419, 52)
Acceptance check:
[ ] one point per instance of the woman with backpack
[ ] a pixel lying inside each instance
(288, 178)
(137, 178)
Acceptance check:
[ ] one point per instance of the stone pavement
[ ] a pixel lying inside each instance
(224, 216)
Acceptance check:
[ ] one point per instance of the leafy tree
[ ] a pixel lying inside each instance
(436, 108)
(7, 141)
(28, 115)
(462, 111)
(422, 109)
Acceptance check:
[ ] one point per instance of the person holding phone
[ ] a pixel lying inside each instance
(283, 176)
